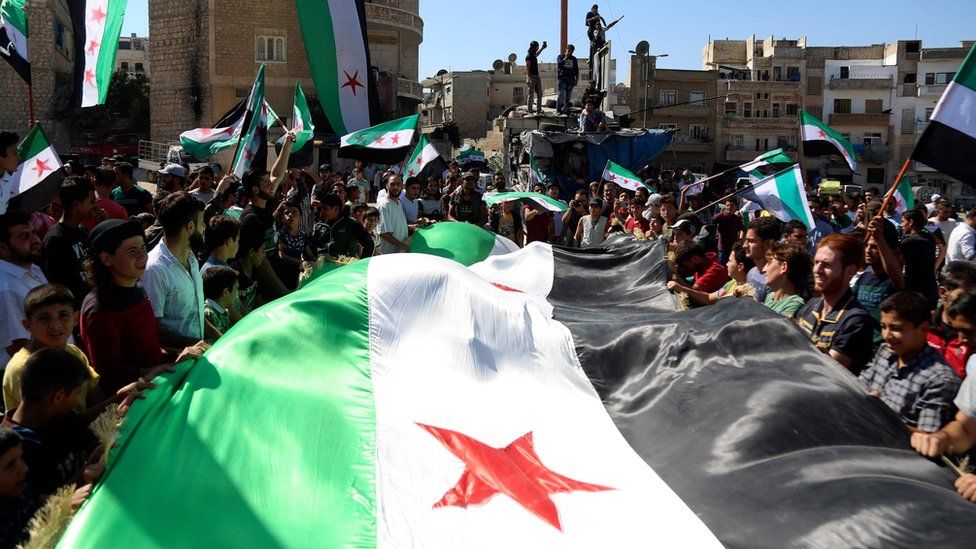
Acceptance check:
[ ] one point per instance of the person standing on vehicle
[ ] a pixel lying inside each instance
(567, 72)
(532, 80)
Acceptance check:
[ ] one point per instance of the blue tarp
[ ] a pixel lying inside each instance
(632, 149)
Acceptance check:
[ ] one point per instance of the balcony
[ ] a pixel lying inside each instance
(772, 86)
(740, 155)
(684, 111)
(756, 122)
(932, 91)
(382, 15)
(683, 143)
(859, 119)
(410, 89)
(862, 82)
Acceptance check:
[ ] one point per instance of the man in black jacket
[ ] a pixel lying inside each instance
(339, 235)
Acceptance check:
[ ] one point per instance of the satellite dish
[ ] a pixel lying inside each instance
(441, 72)
(512, 58)
(498, 64)
(643, 47)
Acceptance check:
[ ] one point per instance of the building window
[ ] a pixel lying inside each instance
(775, 110)
(913, 46)
(873, 106)
(60, 40)
(125, 45)
(270, 49)
(778, 74)
(814, 85)
(792, 109)
(842, 106)
(731, 108)
(125, 67)
(667, 126)
(747, 110)
(845, 72)
(787, 142)
(793, 74)
(911, 78)
(698, 132)
(669, 97)
(698, 98)
(876, 176)
(139, 68)
(944, 77)
(736, 143)
(518, 95)
(762, 144)
(872, 138)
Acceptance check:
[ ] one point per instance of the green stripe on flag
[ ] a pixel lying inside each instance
(265, 407)
(317, 33)
(788, 187)
(966, 75)
(546, 201)
(463, 242)
(109, 47)
(14, 13)
(302, 112)
(35, 142)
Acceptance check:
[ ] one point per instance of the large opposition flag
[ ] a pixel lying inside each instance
(13, 37)
(385, 143)
(948, 143)
(773, 158)
(96, 25)
(819, 139)
(622, 176)
(410, 401)
(334, 32)
(424, 161)
(226, 133)
(543, 201)
(39, 175)
(783, 195)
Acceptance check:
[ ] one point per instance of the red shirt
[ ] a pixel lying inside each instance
(113, 210)
(645, 224)
(537, 228)
(713, 276)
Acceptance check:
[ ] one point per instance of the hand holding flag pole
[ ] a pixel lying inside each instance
(894, 186)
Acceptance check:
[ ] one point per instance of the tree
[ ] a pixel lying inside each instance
(127, 101)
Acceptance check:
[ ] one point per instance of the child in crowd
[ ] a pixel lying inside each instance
(371, 221)
(220, 287)
(292, 242)
(691, 260)
(956, 279)
(906, 374)
(250, 256)
(18, 502)
(738, 269)
(221, 237)
(786, 270)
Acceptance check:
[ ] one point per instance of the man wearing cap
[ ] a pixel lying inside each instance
(933, 204)
(130, 196)
(466, 204)
(171, 178)
(592, 229)
(653, 204)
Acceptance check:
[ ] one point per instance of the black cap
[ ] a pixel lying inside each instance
(325, 167)
(107, 235)
(470, 175)
(596, 202)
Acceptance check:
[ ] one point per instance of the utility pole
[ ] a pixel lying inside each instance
(646, 86)
(563, 30)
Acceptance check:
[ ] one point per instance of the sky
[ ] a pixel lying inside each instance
(470, 34)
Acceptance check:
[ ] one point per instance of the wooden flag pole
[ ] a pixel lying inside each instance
(894, 186)
(30, 105)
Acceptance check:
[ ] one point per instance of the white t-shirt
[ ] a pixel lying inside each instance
(594, 232)
(962, 243)
(15, 283)
(175, 293)
(411, 208)
(392, 221)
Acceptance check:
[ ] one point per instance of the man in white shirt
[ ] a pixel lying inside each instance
(393, 224)
(20, 251)
(360, 181)
(410, 200)
(962, 241)
(945, 218)
(9, 160)
(172, 281)
(933, 204)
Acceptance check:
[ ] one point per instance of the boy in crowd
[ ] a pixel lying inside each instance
(250, 257)
(204, 190)
(795, 232)
(760, 235)
(65, 246)
(875, 284)
(50, 318)
(339, 235)
(220, 286)
(105, 207)
(837, 322)
(787, 267)
(690, 259)
(737, 268)
(18, 502)
(958, 435)
(221, 238)
(955, 280)
(20, 251)
(906, 374)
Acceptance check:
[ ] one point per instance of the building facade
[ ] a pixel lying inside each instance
(133, 56)
(205, 54)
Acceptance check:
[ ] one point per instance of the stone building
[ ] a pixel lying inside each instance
(133, 56)
(681, 100)
(205, 54)
(52, 68)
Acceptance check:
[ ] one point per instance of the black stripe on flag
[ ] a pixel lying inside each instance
(7, 52)
(947, 150)
(76, 9)
(820, 148)
(768, 441)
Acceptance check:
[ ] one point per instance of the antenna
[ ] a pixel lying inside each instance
(512, 58)
(497, 64)
(643, 47)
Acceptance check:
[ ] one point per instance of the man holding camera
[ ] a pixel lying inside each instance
(532, 80)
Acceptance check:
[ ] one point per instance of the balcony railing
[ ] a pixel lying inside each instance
(861, 82)
(932, 90)
(859, 119)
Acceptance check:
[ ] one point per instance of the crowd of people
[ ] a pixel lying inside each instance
(110, 285)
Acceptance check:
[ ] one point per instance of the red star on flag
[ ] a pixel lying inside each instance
(613, 177)
(98, 15)
(249, 154)
(395, 139)
(89, 77)
(514, 470)
(379, 140)
(410, 173)
(352, 82)
(40, 166)
(822, 134)
(206, 132)
(92, 46)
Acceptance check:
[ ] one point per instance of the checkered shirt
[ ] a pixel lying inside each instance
(921, 392)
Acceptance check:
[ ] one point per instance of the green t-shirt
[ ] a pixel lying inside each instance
(788, 306)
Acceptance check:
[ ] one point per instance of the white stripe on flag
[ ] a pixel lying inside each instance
(95, 17)
(32, 171)
(351, 69)
(392, 140)
(495, 384)
(957, 109)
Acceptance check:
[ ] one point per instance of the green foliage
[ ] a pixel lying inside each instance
(127, 101)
